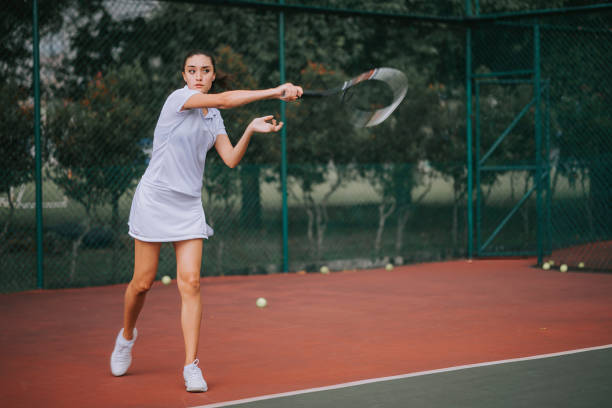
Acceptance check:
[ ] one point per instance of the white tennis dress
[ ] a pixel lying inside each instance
(167, 204)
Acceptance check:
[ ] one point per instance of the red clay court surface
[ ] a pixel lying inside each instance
(317, 330)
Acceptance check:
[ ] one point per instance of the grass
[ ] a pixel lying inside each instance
(350, 234)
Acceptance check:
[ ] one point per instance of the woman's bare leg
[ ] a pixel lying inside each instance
(188, 263)
(146, 259)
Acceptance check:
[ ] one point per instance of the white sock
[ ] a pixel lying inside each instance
(123, 340)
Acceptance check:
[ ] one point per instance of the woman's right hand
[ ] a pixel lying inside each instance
(289, 92)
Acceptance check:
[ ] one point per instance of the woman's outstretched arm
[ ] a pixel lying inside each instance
(231, 99)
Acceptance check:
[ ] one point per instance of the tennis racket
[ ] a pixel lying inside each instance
(364, 109)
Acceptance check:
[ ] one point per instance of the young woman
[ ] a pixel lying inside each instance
(167, 204)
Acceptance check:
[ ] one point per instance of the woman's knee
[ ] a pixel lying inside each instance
(141, 285)
(189, 284)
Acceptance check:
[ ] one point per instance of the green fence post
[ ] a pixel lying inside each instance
(548, 169)
(281, 58)
(468, 96)
(36, 80)
(477, 166)
(538, 136)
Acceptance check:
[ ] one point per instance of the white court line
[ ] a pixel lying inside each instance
(399, 377)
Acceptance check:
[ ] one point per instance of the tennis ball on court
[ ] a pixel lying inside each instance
(324, 269)
(581, 265)
(389, 267)
(546, 266)
(563, 268)
(261, 302)
(166, 280)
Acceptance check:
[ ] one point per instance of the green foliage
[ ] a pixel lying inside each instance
(16, 136)
(16, 26)
(96, 139)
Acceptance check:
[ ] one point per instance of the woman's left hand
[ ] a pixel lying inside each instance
(266, 124)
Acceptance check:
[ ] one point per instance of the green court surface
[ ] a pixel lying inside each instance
(579, 379)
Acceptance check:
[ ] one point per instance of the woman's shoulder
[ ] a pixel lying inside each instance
(182, 92)
(176, 100)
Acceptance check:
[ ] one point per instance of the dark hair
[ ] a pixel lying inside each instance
(222, 79)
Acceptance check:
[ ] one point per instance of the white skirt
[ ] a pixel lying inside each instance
(162, 215)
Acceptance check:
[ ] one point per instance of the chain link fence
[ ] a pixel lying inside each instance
(580, 149)
(357, 198)
(570, 136)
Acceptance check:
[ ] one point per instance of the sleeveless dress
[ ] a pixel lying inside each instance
(167, 203)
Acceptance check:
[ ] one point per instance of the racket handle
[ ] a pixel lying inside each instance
(315, 94)
(308, 94)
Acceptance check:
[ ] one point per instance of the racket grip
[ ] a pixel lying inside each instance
(307, 94)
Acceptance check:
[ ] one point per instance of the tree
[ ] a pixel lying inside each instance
(16, 32)
(95, 141)
(391, 156)
(317, 162)
(16, 144)
(261, 150)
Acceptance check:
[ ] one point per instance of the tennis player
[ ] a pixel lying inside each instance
(167, 203)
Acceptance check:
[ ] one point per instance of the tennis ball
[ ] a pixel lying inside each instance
(389, 267)
(563, 268)
(324, 269)
(166, 280)
(261, 302)
(581, 265)
(546, 266)
(551, 262)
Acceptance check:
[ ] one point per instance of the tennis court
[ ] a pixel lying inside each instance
(443, 330)
(499, 152)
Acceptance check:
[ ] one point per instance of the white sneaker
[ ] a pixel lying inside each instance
(122, 354)
(194, 382)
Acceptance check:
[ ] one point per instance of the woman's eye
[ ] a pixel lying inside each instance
(192, 71)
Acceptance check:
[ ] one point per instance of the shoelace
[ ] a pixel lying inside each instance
(123, 353)
(194, 374)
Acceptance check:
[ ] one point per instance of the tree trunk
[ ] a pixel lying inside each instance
(8, 221)
(309, 207)
(403, 183)
(220, 247)
(402, 219)
(76, 245)
(251, 213)
(383, 214)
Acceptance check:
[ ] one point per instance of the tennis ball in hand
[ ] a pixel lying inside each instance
(261, 302)
(389, 267)
(563, 268)
(546, 266)
(324, 269)
(166, 280)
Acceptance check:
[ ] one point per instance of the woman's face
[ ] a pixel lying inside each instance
(199, 73)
